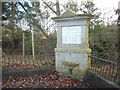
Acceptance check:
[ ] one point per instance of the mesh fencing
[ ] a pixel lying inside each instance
(104, 57)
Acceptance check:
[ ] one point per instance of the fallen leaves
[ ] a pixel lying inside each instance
(51, 80)
(27, 63)
(8, 66)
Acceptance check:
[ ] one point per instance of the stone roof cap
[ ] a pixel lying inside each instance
(68, 14)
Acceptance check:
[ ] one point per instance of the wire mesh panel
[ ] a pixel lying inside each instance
(13, 57)
(25, 33)
(104, 58)
(19, 62)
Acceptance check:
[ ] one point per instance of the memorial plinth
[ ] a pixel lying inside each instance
(72, 44)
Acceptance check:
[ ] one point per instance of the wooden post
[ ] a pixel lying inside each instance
(33, 53)
(23, 44)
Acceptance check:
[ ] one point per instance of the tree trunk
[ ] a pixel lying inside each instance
(118, 61)
(57, 8)
(12, 24)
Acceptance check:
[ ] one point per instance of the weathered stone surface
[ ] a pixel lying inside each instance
(72, 52)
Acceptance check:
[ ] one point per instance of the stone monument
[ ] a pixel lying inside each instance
(72, 52)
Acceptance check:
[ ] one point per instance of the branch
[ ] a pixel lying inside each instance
(34, 21)
(49, 7)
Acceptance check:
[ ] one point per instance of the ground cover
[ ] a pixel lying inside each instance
(48, 80)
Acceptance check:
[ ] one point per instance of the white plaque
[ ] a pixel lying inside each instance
(71, 35)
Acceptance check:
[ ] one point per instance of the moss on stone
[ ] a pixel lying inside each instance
(70, 65)
(68, 13)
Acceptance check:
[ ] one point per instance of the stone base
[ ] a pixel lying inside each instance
(78, 57)
(76, 74)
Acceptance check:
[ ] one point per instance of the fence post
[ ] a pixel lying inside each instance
(23, 44)
(33, 53)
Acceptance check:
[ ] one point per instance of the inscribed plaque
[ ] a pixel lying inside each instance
(71, 35)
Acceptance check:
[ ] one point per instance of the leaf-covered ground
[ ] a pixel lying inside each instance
(26, 64)
(15, 66)
(8, 66)
(51, 80)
